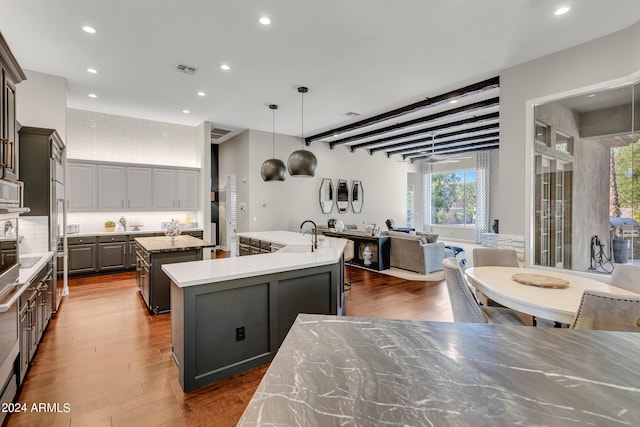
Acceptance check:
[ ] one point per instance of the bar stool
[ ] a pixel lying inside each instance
(349, 253)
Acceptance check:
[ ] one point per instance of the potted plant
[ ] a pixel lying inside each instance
(109, 226)
(620, 247)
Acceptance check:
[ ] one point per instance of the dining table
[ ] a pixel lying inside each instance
(557, 303)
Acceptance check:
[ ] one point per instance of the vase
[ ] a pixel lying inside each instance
(495, 226)
(173, 231)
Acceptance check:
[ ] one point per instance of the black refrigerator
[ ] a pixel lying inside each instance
(41, 169)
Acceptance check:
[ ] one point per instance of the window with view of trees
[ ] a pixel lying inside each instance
(453, 198)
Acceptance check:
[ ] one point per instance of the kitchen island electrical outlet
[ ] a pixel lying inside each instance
(240, 333)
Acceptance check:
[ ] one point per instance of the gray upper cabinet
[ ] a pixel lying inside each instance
(82, 185)
(139, 188)
(164, 189)
(175, 189)
(111, 188)
(120, 187)
(187, 190)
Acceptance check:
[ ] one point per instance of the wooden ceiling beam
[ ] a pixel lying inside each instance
(492, 102)
(432, 129)
(487, 145)
(429, 140)
(411, 108)
(446, 147)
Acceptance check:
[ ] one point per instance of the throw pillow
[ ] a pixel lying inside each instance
(430, 237)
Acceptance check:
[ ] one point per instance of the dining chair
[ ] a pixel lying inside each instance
(464, 305)
(608, 312)
(626, 276)
(498, 257)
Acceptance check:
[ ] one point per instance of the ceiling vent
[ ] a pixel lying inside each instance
(217, 133)
(187, 69)
(352, 114)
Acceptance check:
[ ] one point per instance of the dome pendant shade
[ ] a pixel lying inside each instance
(302, 163)
(273, 170)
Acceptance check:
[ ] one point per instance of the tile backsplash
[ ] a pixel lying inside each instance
(35, 234)
(113, 138)
(94, 222)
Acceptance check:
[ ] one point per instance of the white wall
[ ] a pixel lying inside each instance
(284, 205)
(113, 138)
(581, 68)
(41, 101)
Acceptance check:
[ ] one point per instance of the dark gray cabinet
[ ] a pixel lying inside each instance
(96, 254)
(34, 315)
(82, 255)
(10, 74)
(112, 252)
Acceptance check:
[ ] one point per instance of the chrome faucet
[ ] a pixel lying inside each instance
(314, 243)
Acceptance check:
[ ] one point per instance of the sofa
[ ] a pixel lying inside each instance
(412, 252)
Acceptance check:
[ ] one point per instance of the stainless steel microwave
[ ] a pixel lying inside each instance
(11, 197)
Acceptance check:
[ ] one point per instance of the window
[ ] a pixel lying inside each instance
(453, 198)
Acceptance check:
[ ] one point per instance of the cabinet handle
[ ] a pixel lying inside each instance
(68, 203)
(13, 154)
(121, 204)
(5, 141)
(128, 203)
(124, 248)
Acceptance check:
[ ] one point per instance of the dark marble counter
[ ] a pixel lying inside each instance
(165, 244)
(350, 371)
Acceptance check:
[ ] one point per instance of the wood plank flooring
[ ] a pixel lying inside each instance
(111, 361)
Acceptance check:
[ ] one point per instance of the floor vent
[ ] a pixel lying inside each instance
(217, 133)
(187, 69)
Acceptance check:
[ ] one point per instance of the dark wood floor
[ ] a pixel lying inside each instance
(111, 361)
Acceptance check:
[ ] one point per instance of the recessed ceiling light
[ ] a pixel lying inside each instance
(591, 95)
(201, 94)
(89, 29)
(93, 95)
(186, 111)
(225, 67)
(562, 10)
(453, 101)
(265, 20)
(92, 71)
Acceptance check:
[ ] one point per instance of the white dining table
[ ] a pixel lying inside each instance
(557, 304)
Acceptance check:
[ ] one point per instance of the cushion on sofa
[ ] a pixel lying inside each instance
(431, 237)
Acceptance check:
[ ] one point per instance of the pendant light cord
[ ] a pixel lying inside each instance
(302, 119)
(273, 135)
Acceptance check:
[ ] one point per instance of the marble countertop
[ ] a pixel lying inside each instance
(25, 276)
(295, 255)
(356, 371)
(165, 244)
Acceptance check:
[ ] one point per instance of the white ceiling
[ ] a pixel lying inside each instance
(364, 56)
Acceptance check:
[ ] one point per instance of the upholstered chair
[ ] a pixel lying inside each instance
(495, 257)
(626, 276)
(608, 312)
(464, 305)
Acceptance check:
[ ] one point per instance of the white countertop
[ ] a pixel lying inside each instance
(295, 256)
(25, 276)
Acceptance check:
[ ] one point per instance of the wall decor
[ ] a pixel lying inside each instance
(326, 195)
(357, 195)
(343, 196)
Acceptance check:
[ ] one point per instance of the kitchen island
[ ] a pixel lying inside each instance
(229, 315)
(154, 252)
(356, 371)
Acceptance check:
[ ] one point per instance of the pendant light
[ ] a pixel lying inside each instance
(273, 169)
(302, 162)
